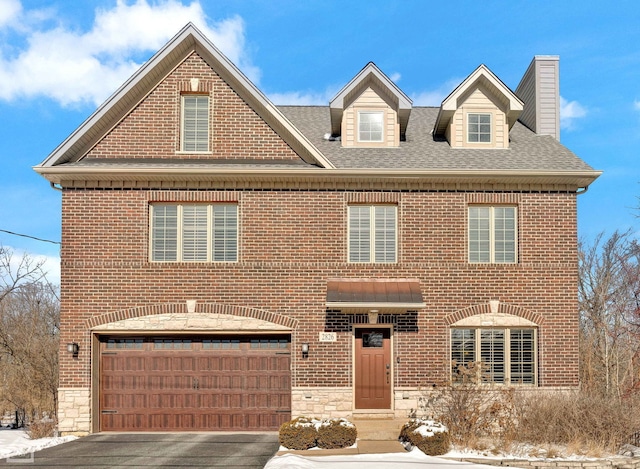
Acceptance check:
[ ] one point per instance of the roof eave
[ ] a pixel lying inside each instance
(60, 174)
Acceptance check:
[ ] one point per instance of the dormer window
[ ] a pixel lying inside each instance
(370, 126)
(195, 123)
(479, 128)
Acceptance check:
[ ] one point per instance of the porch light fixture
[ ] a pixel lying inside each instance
(305, 350)
(73, 348)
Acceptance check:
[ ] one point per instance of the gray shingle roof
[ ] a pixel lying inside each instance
(527, 151)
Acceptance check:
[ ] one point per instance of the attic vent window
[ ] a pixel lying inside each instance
(195, 123)
(479, 128)
(370, 126)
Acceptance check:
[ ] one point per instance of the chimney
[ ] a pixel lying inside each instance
(539, 89)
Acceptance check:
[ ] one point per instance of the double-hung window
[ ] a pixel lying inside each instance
(195, 123)
(492, 234)
(373, 233)
(194, 233)
(504, 355)
(479, 128)
(370, 126)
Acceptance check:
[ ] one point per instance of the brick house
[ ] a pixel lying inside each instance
(228, 264)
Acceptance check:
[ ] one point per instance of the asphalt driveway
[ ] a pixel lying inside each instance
(164, 450)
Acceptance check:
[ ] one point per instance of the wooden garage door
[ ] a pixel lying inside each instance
(194, 383)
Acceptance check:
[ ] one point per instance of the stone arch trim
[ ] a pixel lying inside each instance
(485, 308)
(181, 308)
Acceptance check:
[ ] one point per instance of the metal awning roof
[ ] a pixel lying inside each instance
(385, 295)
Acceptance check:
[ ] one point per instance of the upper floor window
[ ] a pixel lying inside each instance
(495, 355)
(492, 234)
(479, 128)
(194, 233)
(372, 233)
(370, 126)
(195, 123)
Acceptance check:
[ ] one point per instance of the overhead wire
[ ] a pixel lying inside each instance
(30, 237)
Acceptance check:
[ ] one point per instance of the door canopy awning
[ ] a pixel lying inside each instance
(384, 296)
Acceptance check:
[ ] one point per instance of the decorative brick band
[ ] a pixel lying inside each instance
(503, 308)
(207, 308)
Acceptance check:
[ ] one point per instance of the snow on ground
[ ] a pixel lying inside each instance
(414, 459)
(16, 442)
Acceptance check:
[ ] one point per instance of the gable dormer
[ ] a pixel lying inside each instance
(479, 113)
(370, 111)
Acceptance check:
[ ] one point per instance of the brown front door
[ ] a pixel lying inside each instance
(194, 383)
(373, 368)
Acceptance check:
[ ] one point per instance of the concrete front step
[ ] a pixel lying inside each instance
(379, 429)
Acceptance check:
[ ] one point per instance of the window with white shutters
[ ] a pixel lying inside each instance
(195, 123)
(194, 233)
(373, 233)
(492, 234)
(504, 355)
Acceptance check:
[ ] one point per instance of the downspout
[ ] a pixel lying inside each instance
(53, 186)
(583, 191)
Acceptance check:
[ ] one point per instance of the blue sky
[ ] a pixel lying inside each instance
(59, 60)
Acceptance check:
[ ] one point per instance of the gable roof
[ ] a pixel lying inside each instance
(368, 76)
(136, 88)
(481, 75)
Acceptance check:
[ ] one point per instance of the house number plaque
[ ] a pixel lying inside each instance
(328, 337)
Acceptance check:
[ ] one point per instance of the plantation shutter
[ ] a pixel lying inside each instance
(505, 234)
(225, 233)
(492, 354)
(195, 123)
(194, 233)
(385, 233)
(479, 234)
(164, 233)
(359, 233)
(522, 355)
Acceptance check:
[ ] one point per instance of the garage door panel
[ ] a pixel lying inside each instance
(211, 383)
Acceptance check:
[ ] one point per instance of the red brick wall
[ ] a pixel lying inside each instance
(291, 242)
(151, 129)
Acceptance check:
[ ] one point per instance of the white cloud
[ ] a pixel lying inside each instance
(9, 11)
(395, 77)
(636, 105)
(50, 265)
(436, 96)
(297, 98)
(71, 66)
(569, 112)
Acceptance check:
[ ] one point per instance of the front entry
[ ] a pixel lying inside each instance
(373, 368)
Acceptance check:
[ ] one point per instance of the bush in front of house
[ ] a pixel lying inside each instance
(428, 436)
(304, 433)
(336, 433)
(299, 433)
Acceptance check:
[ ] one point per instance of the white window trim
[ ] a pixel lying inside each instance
(182, 124)
(507, 352)
(380, 112)
(372, 235)
(492, 231)
(491, 129)
(180, 234)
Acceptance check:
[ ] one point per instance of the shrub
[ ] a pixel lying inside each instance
(44, 428)
(336, 433)
(304, 433)
(430, 437)
(298, 434)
